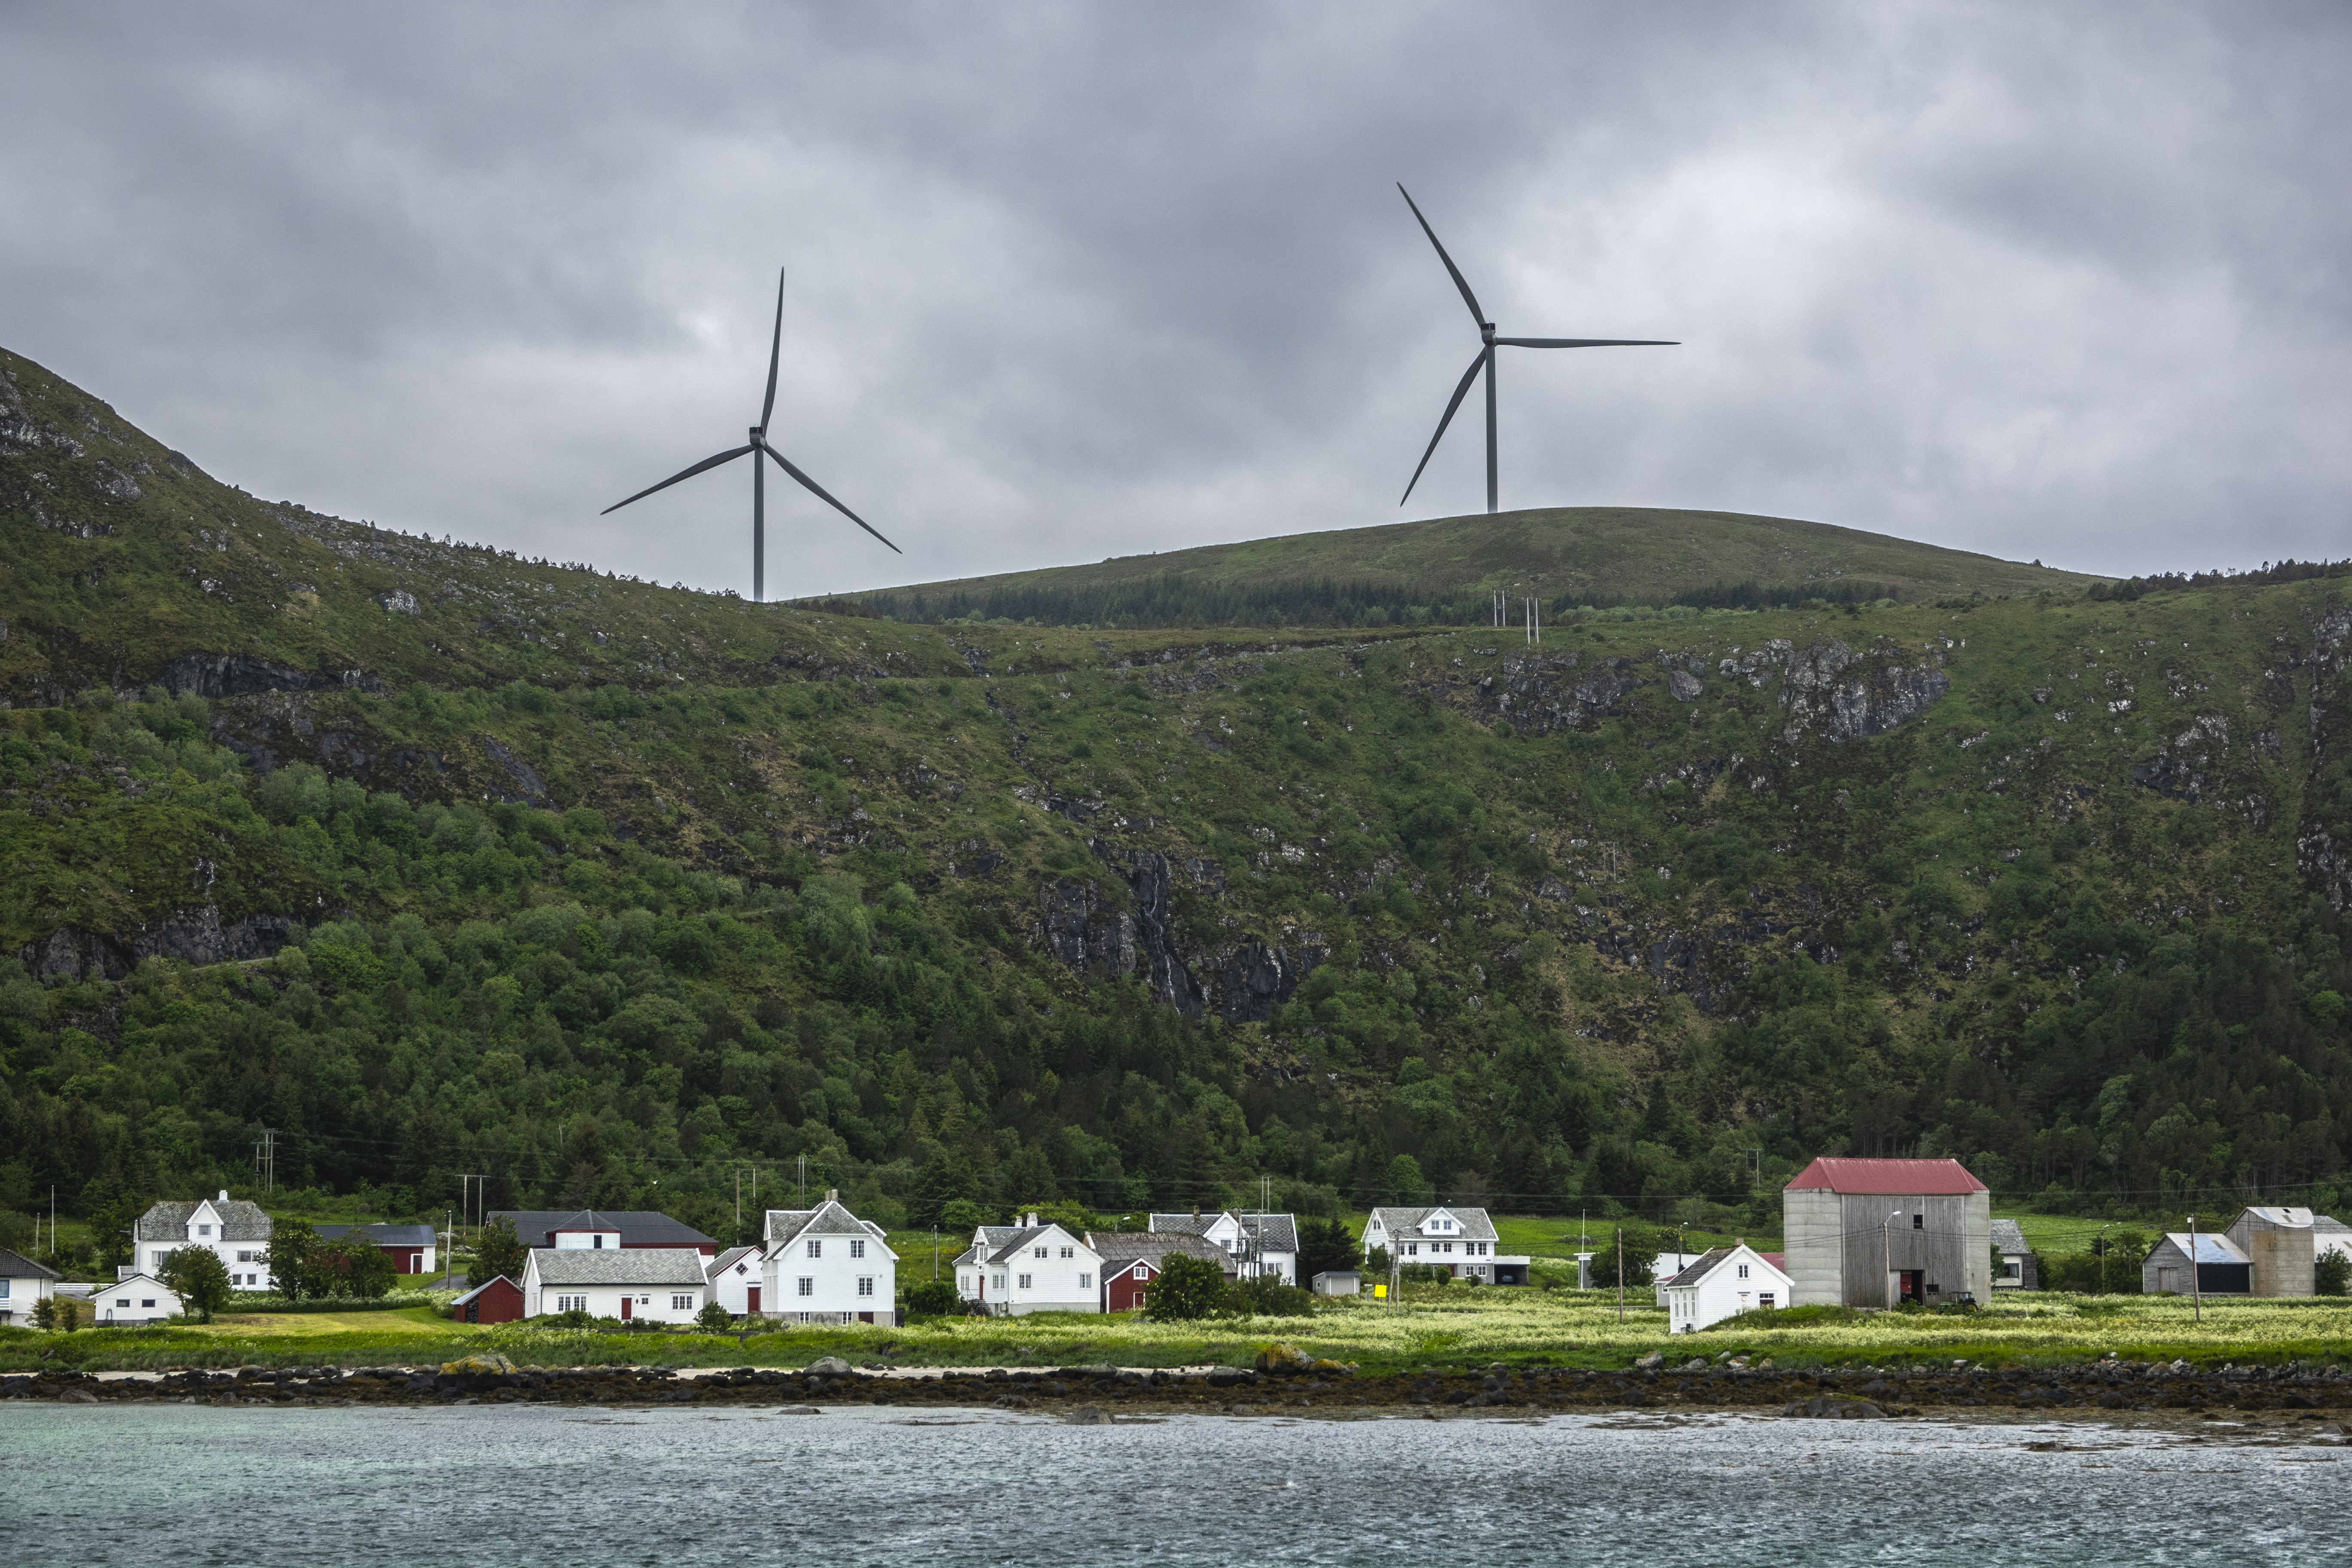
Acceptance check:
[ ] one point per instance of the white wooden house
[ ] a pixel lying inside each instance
(1459, 1240)
(2020, 1270)
(139, 1298)
(1033, 1267)
(1259, 1244)
(1723, 1282)
(1665, 1266)
(661, 1285)
(237, 1231)
(736, 1282)
(824, 1265)
(23, 1282)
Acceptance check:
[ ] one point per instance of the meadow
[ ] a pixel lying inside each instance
(1430, 1327)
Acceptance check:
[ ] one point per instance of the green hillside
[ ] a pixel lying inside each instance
(435, 861)
(1447, 569)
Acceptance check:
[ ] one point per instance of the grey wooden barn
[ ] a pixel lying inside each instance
(1876, 1233)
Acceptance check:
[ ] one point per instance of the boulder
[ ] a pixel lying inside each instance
(1827, 1407)
(829, 1366)
(493, 1362)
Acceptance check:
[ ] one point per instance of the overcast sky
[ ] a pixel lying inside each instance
(1069, 281)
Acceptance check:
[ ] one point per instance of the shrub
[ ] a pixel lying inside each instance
(714, 1317)
(931, 1298)
(2333, 1275)
(1267, 1297)
(1188, 1288)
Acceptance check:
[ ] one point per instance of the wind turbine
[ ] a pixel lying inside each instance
(758, 445)
(1488, 343)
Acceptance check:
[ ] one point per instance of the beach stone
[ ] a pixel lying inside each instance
(1089, 1415)
(800, 1410)
(829, 1366)
(1654, 1360)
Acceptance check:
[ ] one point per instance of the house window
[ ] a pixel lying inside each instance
(866, 1284)
(146, 1302)
(807, 1286)
(1024, 1280)
(1143, 1272)
(1743, 1271)
(1412, 1249)
(857, 1250)
(1085, 1281)
(246, 1257)
(123, 1301)
(202, 1230)
(1069, 1252)
(681, 1303)
(1918, 1222)
(1765, 1300)
(595, 1244)
(1000, 1282)
(1041, 1252)
(816, 1248)
(2013, 1269)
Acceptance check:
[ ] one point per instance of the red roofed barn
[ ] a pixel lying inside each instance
(1876, 1233)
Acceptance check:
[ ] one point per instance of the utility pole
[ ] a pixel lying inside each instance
(1887, 1242)
(2099, 1245)
(265, 1160)
(2195, 1288)
(1621, 1274)
(803, 1188)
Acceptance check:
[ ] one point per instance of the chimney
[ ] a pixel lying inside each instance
(223, 1197)
(1032, 1222)
(833, 1194)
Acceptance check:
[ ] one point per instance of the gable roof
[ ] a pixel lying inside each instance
(729, 1258)
(828, 1218)
(1890, 1178)
(16, 1266)
(2212, 1246)
(638, 1228)
(1024, 1238)
(1121, 1247)
(380, 1235)
(2009, 1236)
(2283, 1218)
(490, 1284)
(1716, 1258)
(1273, 1232)
(1476, 1225)
(239, 1221)
(617, 1266)
(98, 1292)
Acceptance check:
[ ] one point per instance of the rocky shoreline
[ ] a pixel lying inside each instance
(2296, 1392)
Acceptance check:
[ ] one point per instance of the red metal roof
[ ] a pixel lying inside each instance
(1895, 1178)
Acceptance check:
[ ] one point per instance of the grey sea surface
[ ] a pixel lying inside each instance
(173, 1484)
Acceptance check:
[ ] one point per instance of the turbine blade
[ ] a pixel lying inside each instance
(1590, 342)
(1460, 393)
(1468, 298)
(776, 343)
(698, 467)
(819, 491)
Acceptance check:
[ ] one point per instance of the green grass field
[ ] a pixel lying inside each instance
(1442, 1327)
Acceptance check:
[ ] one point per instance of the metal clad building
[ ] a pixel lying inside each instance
(2279, 1246)
(1872, 1233)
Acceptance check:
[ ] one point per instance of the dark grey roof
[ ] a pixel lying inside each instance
(638, 1228)
(1700, 1266)
(828, 1218)
(380, 1235)
(729, 1259)
(1276, 1232)
(1476, 1225)
(1197, 1224)
(1121, 1247)
(2009, 1238)
(1021, 1238)
(240, 1221)
(16, 1266)
(618, 1265)
(2327, 1223)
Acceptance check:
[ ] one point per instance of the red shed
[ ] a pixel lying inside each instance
(499, 1301)
(1133, 1262)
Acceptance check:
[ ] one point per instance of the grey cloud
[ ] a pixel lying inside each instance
(1070, 281)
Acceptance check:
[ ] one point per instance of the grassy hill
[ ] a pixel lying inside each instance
(1567, 556)
(616, 891)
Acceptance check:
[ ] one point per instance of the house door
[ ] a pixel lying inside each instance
(1914, 1287)
(625, 1302)
(752, 1299)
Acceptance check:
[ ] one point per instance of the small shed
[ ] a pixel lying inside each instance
(2222, 1267)
(1340, 1282)
(140, 1298)
(499, 1302)
(2019, 1269)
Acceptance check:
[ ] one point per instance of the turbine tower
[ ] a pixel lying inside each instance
(758, 445)
(1487, 344)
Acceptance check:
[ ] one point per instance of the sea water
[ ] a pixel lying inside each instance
(431, 1487)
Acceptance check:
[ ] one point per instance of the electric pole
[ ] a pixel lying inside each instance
(1621, 1274)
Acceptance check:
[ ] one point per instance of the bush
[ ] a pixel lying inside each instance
(1188, 1288)
(931, 1298)
(1266, 1297)
(2333, 1275)
(714, 1317)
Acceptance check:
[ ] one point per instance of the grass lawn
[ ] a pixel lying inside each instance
(1433, 1326)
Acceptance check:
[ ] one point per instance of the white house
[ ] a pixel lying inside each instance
(1029, 1267)
(2020, 1270)
(735, 1280)
(661, 1285)
(1459, 1240)
(1723, 1283)
(1259, 1244)
(1665, 1266)
(824, 1265)
(141, 1299)
(22, 1283)
(237, 1231)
